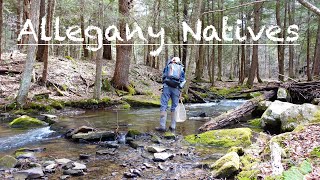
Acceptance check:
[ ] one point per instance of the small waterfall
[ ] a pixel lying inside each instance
(19, 140)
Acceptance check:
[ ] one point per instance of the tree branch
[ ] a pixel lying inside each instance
(310, 6)
(235, 7)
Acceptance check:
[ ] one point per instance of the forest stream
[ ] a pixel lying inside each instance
(111, 166)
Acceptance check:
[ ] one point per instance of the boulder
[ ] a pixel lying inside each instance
(162, 156)
(8, 162)
(26, 122)
(156, 139)
(226, 166)
(263, 105)
(62, 161)
(33, 173)
(95, 136)
(271, 117)
(169, 135)
(133, 133)
(298, 115)
(222, 137)
(50, 119)
(82, 129)
(283, 94)
(288, 116)
(79, 166)
(73, 172)
(316, 101)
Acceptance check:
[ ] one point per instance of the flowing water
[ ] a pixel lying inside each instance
(144, 120)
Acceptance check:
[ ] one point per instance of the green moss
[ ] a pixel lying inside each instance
(255, 122)
(57, 105)
(131, 90)
(248, 175)
(223, 137)
(169, 135)
(106, 85)
(39, 106)
(125, 106)
(271, 177)
(255, 94)
(238, 150)
(226, 91)
(142, 101)
(316, 117)
(248, 161)
(293, 173)
(305, 167)
(145, 83)
(25, 122)
(133, 133)
(69, 58)
(299, 128)
(8, 162)
(64, 87)
(227, 165)
(315, 152)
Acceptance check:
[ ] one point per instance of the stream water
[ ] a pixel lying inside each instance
(141, 119)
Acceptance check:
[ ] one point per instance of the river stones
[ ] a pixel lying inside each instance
(28, 155)
(26, 122)
(162, 157)
(63, 161)
(79, 166)
(33, 173)
(84, 156)
(50, 168)
(110, 144)
(156, 139)
(73, 172)
(283, 94)
(50, 119)
(8, 162)
(95, 136)
(169, 135)
(106, 152)
(82, 129)
(155, 149)
(226, 166)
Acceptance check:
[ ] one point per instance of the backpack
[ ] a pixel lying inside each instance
(172, 74)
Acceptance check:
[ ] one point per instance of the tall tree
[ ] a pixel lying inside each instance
(291, 11)
(31, 56)
(185, 47)
(40, 41)
(220, 6)
(254, 63)
(1, 25)
(82, 10)
(281, 47)
(309, 76)
(316, 62)
(121, 73)
(310, 6)
(200, 52)
(45, 55)
(98, 77)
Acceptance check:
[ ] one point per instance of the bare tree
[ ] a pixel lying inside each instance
(41, 47)
(121, 74)
(1, 25)
(28, 67)
(85, 50)
(316, 62)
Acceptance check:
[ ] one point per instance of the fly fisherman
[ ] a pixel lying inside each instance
(173, 78)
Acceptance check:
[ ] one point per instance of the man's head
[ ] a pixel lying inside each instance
(175, 60)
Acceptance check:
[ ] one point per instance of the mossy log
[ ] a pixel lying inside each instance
(237, 115)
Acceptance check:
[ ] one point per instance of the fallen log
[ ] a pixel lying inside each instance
(237, 115)
(200, 99)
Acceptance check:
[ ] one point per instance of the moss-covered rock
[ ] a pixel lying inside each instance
(223, 137)
(8, 162)
(238, 150)
(226, 91)
(26, 122)
(142, 101)
(133, 133)
(255, 122)
(169, 135)
(226, 166)
(315, 152)
(254, 94)
(248, 175)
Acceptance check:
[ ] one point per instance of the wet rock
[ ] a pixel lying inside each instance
(135, 144)
(316, 101)
(129, 175)
(82, 129)
(162, 157)
(160, 166)
(51, 168)
(114, 173)
(203, 114)
(69, 165)
(22, 150)
(28, 155)
(121, 138)
(73, 172)
(84, 156)
(133, 133)
(226, 166)
(95, 136)
(33, 173)
(155, 149)
(156, 139)
(263, 105)
(109, 144)
(222, 137)
(238, 150)
(8, 162)
(47, 163)
(135, 171)
(79, 166)
(26, 122)
(64, 177)
(50, 119)
(63, 161)
(105, 152)
(147, 165)
(283, 94)
(169, 135)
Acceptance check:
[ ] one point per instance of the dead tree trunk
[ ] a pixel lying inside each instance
(232, 117)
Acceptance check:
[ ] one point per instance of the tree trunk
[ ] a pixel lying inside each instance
(309, 76)
(291, 11)
(1, 25)
(220, 6)
(82, 11)
(185, 47)
(98, 77)
(176, 14)
(200, 53)
(41, 47)
(28, 68)
(121, 73)
(239, 114)
(280, 46)
(45, 56)
(26, 15)
(316, 62)
(254, 63)
(107, 51)
(310, 6)
(19, 19)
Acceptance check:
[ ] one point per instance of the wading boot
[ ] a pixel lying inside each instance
(163, 119)
(172, 128)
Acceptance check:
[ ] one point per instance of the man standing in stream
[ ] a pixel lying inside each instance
(173, 78)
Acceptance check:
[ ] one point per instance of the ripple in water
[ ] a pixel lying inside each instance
(19, 140)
